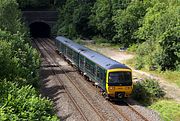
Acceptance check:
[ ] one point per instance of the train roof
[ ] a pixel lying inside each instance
(96, 57)
(71, 44)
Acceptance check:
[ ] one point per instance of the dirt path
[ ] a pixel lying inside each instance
(172, 90)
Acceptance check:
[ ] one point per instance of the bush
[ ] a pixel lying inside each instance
(147, 91)
(18, 59)
(133, 48)
(23, 103)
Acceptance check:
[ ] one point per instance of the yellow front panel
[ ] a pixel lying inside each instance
(112, 89)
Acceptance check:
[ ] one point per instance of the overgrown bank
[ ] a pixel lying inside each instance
(19, 74)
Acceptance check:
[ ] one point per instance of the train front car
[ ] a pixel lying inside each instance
(119, 83)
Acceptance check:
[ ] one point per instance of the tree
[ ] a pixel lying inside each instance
(128, 21)
(73, 18)
(161, 26)
(102, 13)
(10, 17)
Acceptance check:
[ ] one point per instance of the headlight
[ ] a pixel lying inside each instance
(111, 88)
(127, 88)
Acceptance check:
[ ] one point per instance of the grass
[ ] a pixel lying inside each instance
(168, 110)
(170, 76)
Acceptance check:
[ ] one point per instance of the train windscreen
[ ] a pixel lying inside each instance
(120, 79)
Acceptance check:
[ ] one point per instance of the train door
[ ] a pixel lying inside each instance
(81, 62)
(101, 77)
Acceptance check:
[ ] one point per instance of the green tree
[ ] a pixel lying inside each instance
(128, 21)
(161, 26)
(73, 18)
(10, 17)
(102, 13)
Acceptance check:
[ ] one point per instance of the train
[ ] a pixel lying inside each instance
(113, 78)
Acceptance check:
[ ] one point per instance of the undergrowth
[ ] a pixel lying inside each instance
(147, 91)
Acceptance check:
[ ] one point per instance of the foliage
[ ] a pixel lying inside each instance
(133, 48)
(102, 13)
(147, 91)
(127, 21)
(99, 40)
(10, 17)
(147, 55)
(34, 3)
(23, 103)
(169, 110)
(19, 60)
(19, 64)
(161, 27)
(73, 19)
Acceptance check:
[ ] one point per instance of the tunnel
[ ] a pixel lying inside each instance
(40, 30)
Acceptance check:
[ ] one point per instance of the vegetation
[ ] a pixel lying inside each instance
(128, 21)
(73, 19)
(151, 25)
(39, 4)
(33, 3)
(23, 103)
(23, 60)
(169, 110)
(19, 64)
(160, 30)
(147, 91)
(19, 60)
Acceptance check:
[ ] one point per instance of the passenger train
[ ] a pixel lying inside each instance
(114, 78)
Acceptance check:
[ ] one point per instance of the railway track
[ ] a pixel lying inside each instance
(81, 79)
(44, 51)
(125, 116)
(60, 81)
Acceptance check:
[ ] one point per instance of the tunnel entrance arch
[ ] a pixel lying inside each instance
(39, 29)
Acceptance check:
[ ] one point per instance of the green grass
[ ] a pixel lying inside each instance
(168, 110)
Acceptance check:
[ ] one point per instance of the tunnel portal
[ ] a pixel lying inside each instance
(40, 30)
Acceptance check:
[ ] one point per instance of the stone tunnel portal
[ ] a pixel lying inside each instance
(40, 30)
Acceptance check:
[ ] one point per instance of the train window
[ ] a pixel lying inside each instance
(81, 61)
(98, 73)
(87, 65)
(93, 70)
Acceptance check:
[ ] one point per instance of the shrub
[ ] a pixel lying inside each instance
(147, 91)
(133, 48)
(23, 103)
(23, 61)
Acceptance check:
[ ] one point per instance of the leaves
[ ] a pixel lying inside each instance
(23, 103)
(160, 27)
(147, 91)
